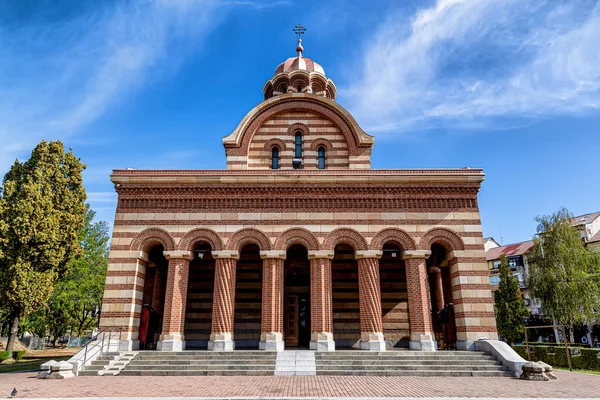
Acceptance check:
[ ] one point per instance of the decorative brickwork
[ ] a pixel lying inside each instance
(370, 295)
(201, 234)
(246, 236)
(269, 144)
(224, 298)
(272, 296)
(450, 240)
(347, 236)
(175, 297)
(297, 236)
(315, 144)
(320, 294)
(394, 234)
(418, 297)
(151, 237)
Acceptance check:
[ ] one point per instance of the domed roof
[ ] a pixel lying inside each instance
(299, 63)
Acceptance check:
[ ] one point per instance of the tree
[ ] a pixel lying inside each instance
(563, 274)
(41, 212)
(82, 287)
(509, 304)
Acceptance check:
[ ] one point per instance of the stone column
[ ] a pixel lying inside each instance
(271, 335)
(171, 338)
(221, 337)
(419, 303)
(439, 288)
(369, 292)
(321, 304)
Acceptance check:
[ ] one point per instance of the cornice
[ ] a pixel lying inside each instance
(340, 176)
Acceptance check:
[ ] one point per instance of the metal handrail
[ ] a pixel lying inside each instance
(103, 330)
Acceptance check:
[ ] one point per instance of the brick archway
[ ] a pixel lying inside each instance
(447, 238)
(196, 235)
(398, 235)
(151, 237)
(248, 235)
(296, 236)
(345, 235)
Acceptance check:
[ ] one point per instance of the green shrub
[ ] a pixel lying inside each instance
(18, 354)
(587, 359)
(4, 355)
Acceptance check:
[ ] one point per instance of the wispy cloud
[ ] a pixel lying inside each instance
(465, 62)
(58, 75)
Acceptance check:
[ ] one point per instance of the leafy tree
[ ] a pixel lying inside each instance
(41, 212)
(509, 304)
(563, 274)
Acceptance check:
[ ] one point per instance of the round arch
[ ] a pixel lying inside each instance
(151, 237)
(246, 236)
(345, 235)
(296, 236)
(396, 234)
(199, 234)
(447, 238)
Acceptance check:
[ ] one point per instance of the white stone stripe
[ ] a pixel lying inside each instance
(295, 362)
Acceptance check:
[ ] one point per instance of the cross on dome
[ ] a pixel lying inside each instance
(299, 30)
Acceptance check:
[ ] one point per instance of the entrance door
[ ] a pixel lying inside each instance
(291, 321)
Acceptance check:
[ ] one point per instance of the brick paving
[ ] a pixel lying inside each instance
(568, 385)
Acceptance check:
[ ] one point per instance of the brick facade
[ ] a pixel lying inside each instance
(383, 250)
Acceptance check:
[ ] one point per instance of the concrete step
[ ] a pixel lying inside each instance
(222, 367)
(407, 362)
(411, 368)
(249, 372)
(202, 362)
(427, 372)
(427, 357)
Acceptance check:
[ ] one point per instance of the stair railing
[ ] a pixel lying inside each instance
(92, 344)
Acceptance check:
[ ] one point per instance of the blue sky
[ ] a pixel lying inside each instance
(510, 86)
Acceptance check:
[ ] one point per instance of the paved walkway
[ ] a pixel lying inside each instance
(568, 385)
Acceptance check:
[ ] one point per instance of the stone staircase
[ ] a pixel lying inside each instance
(202, 363)
(341, 362)
(409, 363)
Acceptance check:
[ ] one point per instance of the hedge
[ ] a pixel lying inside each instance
(4, 355)
(581, 358)
(18, 354)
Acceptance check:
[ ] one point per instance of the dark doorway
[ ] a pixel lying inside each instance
(297, 297)
(153, 299)
(442, 307)
(248, 298)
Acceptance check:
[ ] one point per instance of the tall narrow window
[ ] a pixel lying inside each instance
(321, 155)
(298, 143)
(275, 158)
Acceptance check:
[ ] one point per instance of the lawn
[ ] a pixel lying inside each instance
(583, 371)
(28, 364)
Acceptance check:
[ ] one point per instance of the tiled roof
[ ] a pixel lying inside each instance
(595, 238)
(588, 218)
(515, 249)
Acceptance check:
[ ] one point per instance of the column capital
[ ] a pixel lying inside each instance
(278, 254)
(436, 270)
(407, 255)
(313, 254)
(226, 254)
(141, 255)
(362, 254)
(177, 254)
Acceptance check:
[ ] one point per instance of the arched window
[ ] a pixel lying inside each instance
(275, 157)
(298, 145)
(321, 155)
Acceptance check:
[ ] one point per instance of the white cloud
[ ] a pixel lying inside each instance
(58, 76)
(463, 62)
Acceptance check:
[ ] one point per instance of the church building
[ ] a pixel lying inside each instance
(298, 243)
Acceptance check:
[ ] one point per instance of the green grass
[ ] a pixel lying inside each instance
(583, 371)
(28, 364)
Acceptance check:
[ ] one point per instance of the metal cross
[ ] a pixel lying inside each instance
(299, 30)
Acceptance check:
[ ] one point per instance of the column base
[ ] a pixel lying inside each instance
(170, 342)
(422, 342)
(465, 345)
(372, 341)
(129, 345)
(271, 341)
(221, 342)
(322, 341)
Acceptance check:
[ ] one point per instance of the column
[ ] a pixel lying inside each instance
(419, 304)
(171, 338)
(439, 288)
(221, 337)
(271, 334)
(321, 304)
(120, 307)
(369, 292)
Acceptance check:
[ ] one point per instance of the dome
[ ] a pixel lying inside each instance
(299, 75)
(299, 63)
